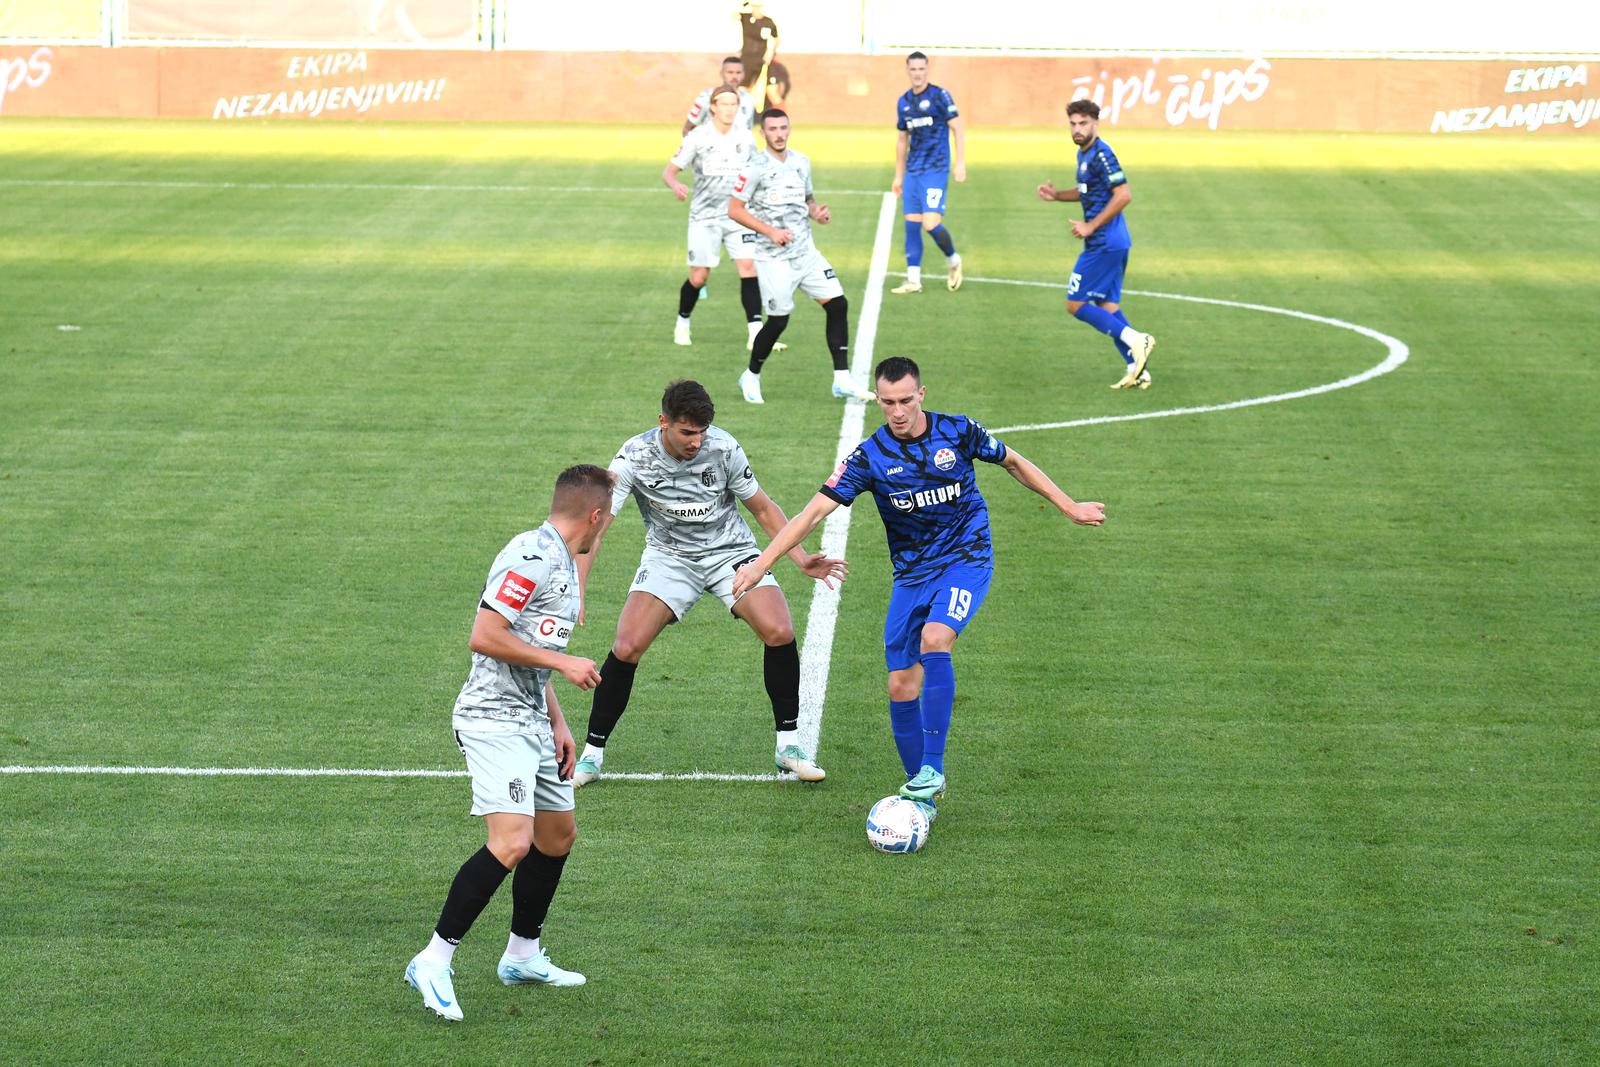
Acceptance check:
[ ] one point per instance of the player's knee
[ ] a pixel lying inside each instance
(559, 841)
(904, 688)
(778, 634)
(775, 325)
(931, 222)
(836, 307)
(698, 276)
(629, 649)
(511, 849)
(1073, 306)
(941, 639)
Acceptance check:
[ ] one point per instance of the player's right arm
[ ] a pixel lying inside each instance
(670, 176)
(492, 636)
(685, 157)
(902, 145)
(1087, 513)
(794, 531)
(1048, 192)
(744, 188)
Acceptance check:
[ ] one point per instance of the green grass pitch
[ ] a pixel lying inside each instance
(1295, 761)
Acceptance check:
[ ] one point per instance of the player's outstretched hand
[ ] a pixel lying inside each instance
(746, 579)
(1047, 191)
(680, 190)
(821, 213)
(1087, 513)
(580, 672)
(824, 569)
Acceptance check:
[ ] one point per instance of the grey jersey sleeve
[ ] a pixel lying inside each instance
(741, 479)
(622, 489)
(514, 578)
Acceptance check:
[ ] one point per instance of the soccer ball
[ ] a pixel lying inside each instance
(895, 824)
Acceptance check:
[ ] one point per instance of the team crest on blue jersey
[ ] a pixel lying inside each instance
(924, 104)
(944, 459)
(901, 501)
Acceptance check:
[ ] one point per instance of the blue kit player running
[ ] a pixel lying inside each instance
(1094, 293)
(919, 468)
(926, 116)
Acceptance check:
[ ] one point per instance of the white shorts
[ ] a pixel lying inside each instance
(708, 237)
(678, 582)
(514, 772)
(809, 273)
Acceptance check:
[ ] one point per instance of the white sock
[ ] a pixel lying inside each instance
(522, 948)
(592, 753)
(954, 259)
(914, 275)
(1130, 336)
(439, 951)
(842, 377)
(787, 738)
(755, 328)
(683, 318)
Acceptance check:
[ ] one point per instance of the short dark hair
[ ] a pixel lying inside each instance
(723, 90)
(917, 55)
(896, 367)
(732, 59)
(580, 489)
(1084, 107)
(773, 113)
(686, 400)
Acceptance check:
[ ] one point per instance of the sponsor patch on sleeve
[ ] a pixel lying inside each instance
(515, 590)
(838, 472)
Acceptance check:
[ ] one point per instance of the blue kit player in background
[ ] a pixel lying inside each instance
(926, 117)
(1094, 293)
(919, 468)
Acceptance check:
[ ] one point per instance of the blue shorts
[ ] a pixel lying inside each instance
(952, 598)
(1097, 276)
(924, 192)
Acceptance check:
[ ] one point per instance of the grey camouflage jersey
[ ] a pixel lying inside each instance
(717, 159)
(745, 119)
(689, 505)
(776, 191)
(534, 586)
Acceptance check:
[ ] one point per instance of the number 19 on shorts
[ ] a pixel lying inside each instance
(960, 604)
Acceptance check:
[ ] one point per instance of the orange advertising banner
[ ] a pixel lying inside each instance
(245, 84)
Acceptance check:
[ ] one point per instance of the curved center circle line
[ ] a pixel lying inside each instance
(1399, 352)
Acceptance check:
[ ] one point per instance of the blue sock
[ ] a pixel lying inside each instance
(938, 699)
(913, 244)
(905, 718)
(942, 238)
(1100, 319)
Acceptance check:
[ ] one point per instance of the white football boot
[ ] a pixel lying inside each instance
(438, 992)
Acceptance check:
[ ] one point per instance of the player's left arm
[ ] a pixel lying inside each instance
(766, 511)
(1089, 513)
(958, 127)
(818, 212)
(793, 532)
(566, 749)
(1121, 197)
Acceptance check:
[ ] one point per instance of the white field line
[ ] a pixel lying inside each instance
(817, 652)
(359, 772)
(139, 183)
(1399, 352)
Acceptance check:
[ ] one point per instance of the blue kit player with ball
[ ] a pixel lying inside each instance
(919, 467)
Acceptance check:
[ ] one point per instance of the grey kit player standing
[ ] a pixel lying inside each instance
(717, 152)
(732, 72)
(773, 196)
(688, 478)
(519, 751)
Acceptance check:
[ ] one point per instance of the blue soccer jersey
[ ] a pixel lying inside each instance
(927, 493)
(1098, 174)
(926, 116)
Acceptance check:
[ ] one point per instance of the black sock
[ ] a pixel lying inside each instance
(771, 330)
(838, 331)
(686, 298)
(475, 883)
(781, 666)
(532, 889)
(750, 296)
(610, 698)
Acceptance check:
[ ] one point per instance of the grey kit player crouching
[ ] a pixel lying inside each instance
(519, 751)
(689, 478)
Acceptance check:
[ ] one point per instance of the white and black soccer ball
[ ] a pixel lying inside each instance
(896, 824)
